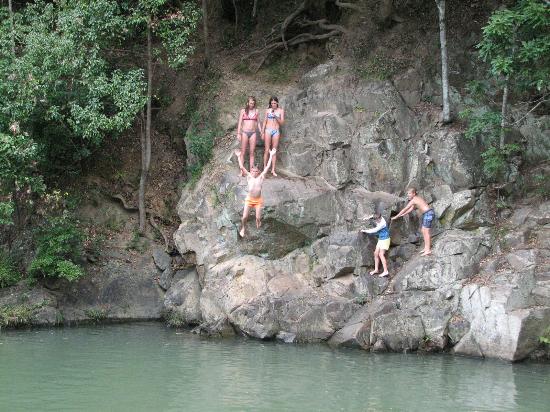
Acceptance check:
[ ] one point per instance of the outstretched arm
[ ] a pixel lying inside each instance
(378, 227)
(406, 210)
(271, 153)
(241, 166)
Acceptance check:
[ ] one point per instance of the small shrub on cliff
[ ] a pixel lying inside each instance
(201, 115)
(14, 316)
(59, 245)
(174, 319)
(9, 275)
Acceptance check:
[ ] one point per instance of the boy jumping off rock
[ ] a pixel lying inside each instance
(254, 198)
(428, 216)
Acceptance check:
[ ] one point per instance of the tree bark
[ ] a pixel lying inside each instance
(10, 8)
(236, 17)
(503, 113)
(146, 137)
(444, 61)
(205, 32)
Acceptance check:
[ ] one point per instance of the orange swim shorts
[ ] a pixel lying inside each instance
(254, 201)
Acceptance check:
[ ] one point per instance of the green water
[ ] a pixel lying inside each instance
(146, 367)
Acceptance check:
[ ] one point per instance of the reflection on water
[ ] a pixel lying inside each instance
(146, 367)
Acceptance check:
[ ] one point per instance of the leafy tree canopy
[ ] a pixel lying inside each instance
(516, 44)
(62, 90)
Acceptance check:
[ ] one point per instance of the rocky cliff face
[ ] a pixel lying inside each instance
(350, 147)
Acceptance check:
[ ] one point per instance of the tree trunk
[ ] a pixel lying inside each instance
(444, 61)
(236, 17)
(254, 9)
(205, 32)
(10, 8)
(146, 137)
(503, 113)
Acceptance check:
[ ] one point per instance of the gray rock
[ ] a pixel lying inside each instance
(162, 259)
(165, 278)
(183, 298)
(399, 333)
(286, 337)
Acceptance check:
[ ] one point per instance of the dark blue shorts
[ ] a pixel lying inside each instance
(427, 218)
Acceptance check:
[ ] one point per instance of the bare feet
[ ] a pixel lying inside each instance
(241, 232)
(373, 272)
(273, 173)
(426, 253)
(383, 274)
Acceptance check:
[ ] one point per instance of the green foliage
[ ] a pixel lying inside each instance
(59, 245)
(484, 123)
(61, 90)
(495, 158)
(16, 315)
(204, 128)
(137, 243)
(96, 315)
(201, 143)
(6, 212)
(545, 338)
(174, 319)
(516, 43)
(176, 30)
(9, 275)
(18, 179)
(174, 26)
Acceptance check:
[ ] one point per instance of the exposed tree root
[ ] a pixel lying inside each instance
(152, 215)
(319, 30)
(289, 19)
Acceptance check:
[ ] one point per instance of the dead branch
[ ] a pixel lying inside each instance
(289, 19)
(542, 100)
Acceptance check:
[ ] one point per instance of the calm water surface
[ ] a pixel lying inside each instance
(146, 367)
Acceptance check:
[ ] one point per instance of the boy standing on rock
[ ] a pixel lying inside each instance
(383, 244)
(254, 198)
(428, 215)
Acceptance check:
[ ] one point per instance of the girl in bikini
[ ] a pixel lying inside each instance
(246, 129)
(271, 130)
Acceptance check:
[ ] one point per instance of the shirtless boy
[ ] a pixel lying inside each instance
(254, 198)
(428, 216)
